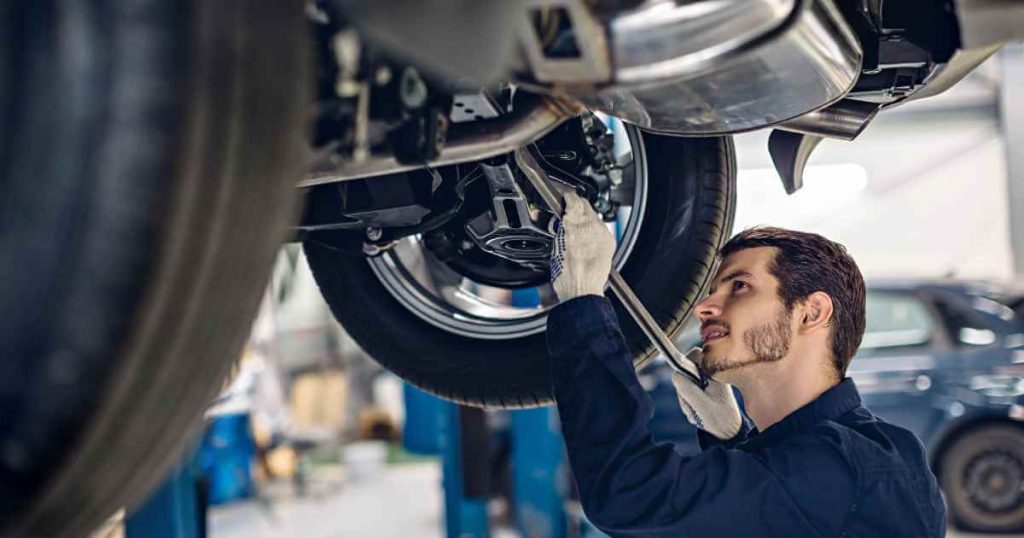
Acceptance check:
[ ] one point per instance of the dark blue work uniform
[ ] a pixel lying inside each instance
(830, 468)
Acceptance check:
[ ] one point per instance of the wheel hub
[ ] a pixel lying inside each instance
(516, 225)
(525, 247)
(995, 481)
(486, 277)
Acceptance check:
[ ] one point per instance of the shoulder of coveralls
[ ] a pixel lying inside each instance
(879, 446)
(895, 476)
(817, 470)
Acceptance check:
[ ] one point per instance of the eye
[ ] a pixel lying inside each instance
(738, 285)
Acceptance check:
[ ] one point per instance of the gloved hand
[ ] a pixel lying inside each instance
(582, 256)
(712, 409)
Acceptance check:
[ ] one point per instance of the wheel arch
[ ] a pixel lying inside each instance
(955, 430)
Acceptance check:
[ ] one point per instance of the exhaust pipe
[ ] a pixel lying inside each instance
(844, 120)
(792, 142)
(533, 117)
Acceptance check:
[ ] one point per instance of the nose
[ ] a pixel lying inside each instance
(708, 308)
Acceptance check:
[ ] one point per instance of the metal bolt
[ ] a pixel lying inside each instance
(382, 76)
(374, 233)
(412, 90)
(370, 249)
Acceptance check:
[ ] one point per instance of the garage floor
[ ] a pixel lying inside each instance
(401, 500)
(393, 503)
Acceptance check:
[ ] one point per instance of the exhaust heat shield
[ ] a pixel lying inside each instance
(701, 67)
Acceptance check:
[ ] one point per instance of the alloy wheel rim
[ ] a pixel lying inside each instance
(994, 481)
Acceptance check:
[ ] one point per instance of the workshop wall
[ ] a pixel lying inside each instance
(922, 192)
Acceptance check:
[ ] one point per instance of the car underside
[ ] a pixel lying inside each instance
(176, 139)
(422, 145)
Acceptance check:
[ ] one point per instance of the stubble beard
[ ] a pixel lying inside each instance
(767, 343)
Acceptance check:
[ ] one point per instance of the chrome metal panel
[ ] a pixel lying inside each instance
(725, 66)
(664, 40)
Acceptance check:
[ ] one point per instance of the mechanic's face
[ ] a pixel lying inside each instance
(743, 319)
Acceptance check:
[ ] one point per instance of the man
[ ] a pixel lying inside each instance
(783, 318)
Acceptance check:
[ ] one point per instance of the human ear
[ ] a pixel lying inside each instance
(817, 311)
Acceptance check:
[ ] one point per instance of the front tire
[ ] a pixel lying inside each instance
(688, 214)
(147, 163)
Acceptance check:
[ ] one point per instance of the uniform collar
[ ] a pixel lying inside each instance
(832, 404)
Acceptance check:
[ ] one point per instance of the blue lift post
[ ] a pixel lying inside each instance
(465, 514)
(175, 510)
(222, 460)
(539, 476)
(434, 426)
(456, 433)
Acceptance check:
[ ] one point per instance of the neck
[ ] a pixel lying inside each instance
(771, 391)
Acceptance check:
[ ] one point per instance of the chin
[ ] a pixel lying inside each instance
(713, 353)
(727, 377)
(731, 373)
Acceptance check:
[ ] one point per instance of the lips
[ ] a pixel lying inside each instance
(711, 333)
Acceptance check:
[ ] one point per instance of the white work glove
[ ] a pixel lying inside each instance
(712, 409)
(582, 256)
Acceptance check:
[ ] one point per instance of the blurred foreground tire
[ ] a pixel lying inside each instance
(148, 152)
(982, 474)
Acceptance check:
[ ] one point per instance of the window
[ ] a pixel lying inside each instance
(895, 320)
(965, 326)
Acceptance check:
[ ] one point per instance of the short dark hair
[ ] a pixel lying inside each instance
(805, 263)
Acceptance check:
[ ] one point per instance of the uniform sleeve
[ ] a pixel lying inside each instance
(630, 486)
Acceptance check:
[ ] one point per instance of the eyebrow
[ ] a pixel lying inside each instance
(731, 276)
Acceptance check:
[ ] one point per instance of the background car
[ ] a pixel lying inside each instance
(944, 359)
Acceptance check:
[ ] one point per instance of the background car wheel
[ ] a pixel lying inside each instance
(982, 475)
(147, 167)
(496, 356)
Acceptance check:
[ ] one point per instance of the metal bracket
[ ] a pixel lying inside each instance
(510, 229)
(591, 63)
